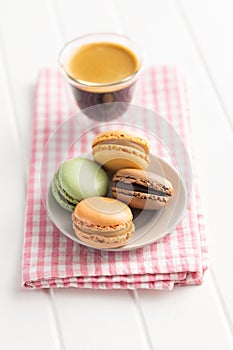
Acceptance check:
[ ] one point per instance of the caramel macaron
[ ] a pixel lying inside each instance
(103, 222)
(141, 189)
(118, 149)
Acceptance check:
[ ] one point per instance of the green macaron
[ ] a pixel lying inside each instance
(77, 179)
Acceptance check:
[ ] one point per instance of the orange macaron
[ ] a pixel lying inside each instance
(103, 222)
(118, 149)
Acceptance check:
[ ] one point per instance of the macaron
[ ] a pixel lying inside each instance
(103, 222)
(141, 189)
(76, 179)
(118, 149)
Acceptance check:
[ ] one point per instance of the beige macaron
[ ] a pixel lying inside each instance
(103, 222)
(118, 149)
(141, 189)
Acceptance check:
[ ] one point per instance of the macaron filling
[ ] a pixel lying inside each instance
(104, 242)
(64, 198)
(121, 148)
(101, 231)
(62, 193)
(61, 197)
(122, 142)
(133, 187)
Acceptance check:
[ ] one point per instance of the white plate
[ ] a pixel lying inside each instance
(150, 226)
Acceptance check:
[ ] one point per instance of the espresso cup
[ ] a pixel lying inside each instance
(102, 68)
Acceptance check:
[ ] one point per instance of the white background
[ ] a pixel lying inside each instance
(196, 35)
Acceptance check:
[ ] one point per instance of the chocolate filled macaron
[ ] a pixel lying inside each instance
(76, 179)
(103, 222)
(141, 189)
(118, 149)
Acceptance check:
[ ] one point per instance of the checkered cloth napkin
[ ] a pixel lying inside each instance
(50, 259)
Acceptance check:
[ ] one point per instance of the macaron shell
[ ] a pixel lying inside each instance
(143, 177)
(122, 135)
(114, 157)
(64, 195)
(81, 178)
(103, 211)
(110, 230)
(61, 200)
(139, 200)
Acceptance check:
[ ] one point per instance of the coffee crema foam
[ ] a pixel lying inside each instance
(102, 63)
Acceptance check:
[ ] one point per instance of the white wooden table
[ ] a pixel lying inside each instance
(197, 36)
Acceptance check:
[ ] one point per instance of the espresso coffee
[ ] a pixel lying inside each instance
(101, 69)
(102, 63)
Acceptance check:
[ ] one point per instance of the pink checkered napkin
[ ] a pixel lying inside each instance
(52, 260)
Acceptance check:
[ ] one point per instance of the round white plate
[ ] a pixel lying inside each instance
(150, 226)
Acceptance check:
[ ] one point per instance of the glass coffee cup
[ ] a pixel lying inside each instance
(102, 68)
